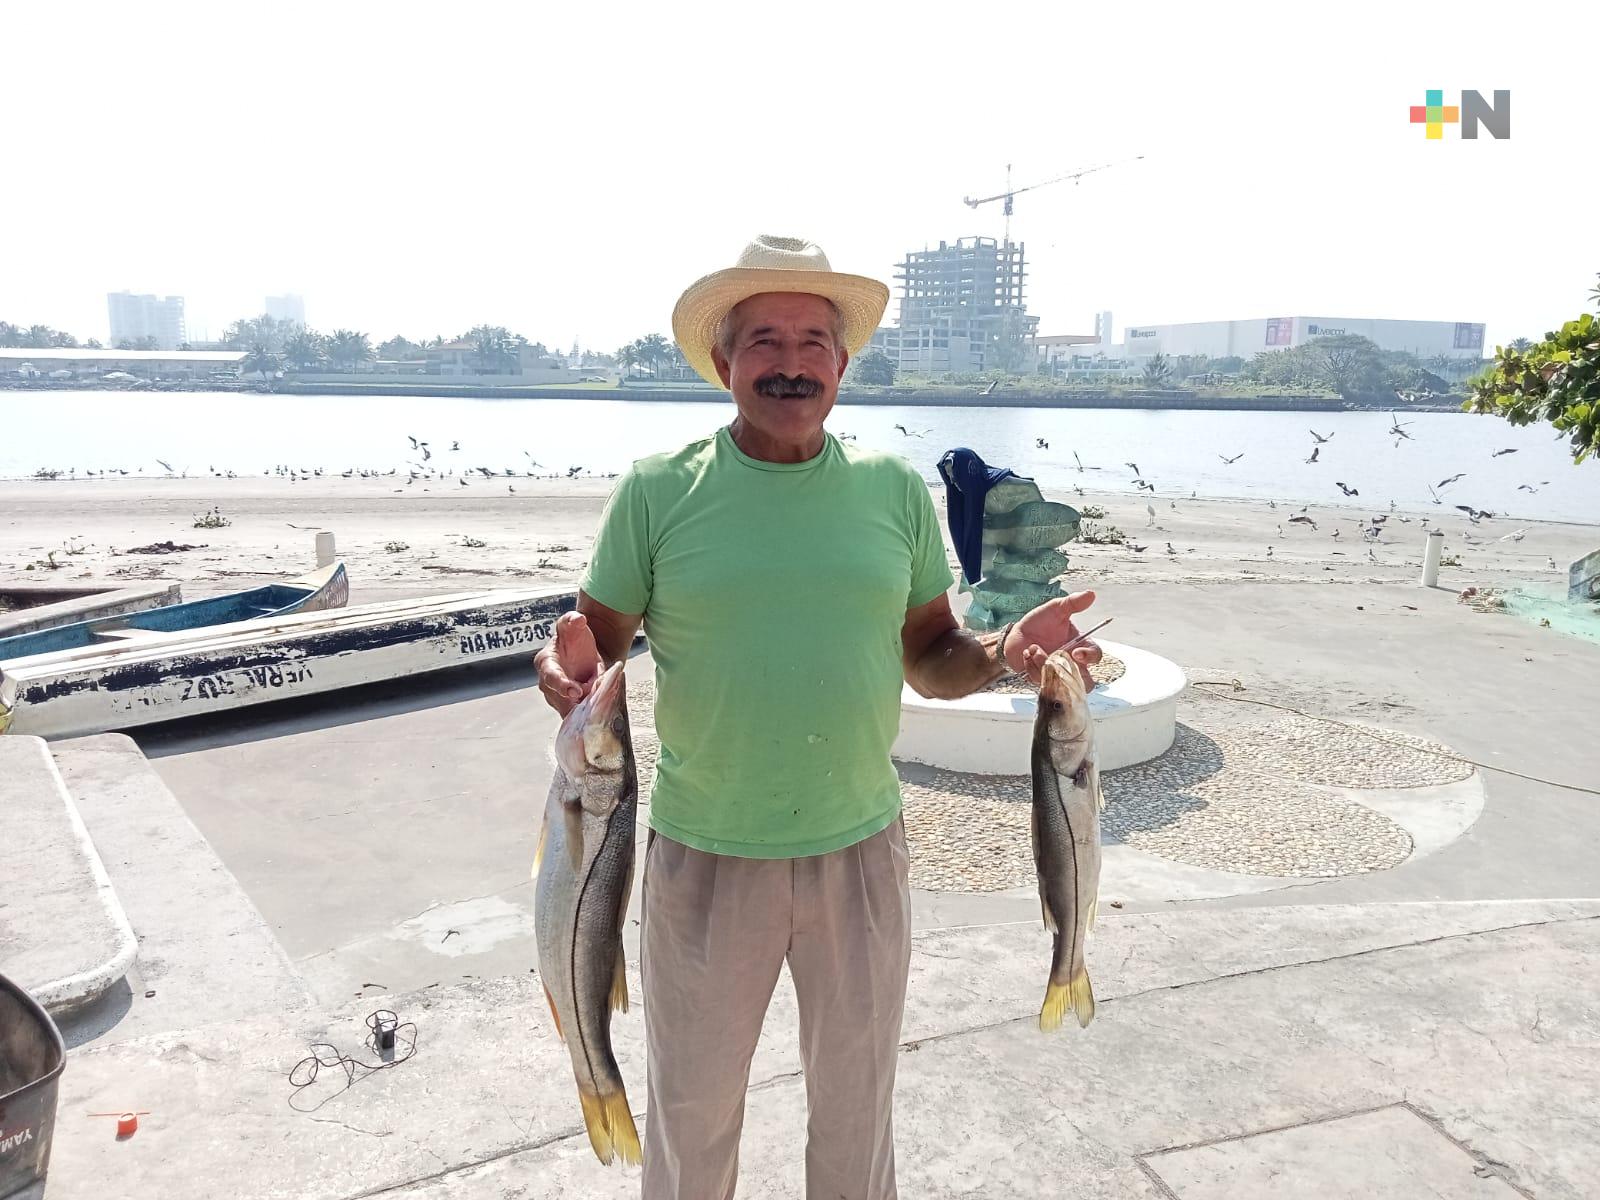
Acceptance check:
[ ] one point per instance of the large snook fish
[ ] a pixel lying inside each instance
(1066, 834)
(584, 872)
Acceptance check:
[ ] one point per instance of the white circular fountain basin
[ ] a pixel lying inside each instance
(991, 733)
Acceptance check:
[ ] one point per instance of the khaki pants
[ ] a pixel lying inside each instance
(716, 931)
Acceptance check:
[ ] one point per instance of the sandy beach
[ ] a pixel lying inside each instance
(400, 540)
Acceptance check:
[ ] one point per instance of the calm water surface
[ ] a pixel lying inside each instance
(1177, 451)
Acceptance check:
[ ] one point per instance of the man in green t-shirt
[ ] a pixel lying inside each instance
(787, 583)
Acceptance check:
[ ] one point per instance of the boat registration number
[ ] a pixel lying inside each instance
(482, 641)
(209, 687)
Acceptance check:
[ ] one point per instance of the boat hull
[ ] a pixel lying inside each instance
(167, 677)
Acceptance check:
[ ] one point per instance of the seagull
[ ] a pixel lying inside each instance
(1135, 468)
(1137, 549)
(1234, 459)
(1041, 443)
(1551, 562)
(1474, 514)
(511, 489)
(1336, 533)
(1515, 535)
(426, 453)
(1269, 551)
(1302, 521)
(1498, 453)
(1320, 438)
(1151, 509)
(1434, 494)
(1348, 491)
(847, 437)
(414, 442)
(1170, 550)
(1078, 460)
(1452, 479)
(455, 445)
(1315, 450)
(463, 481)
(1398, 429)
(912, 432)
(1371, 554)
(573, 471)
(167, 465)
(1526, 487)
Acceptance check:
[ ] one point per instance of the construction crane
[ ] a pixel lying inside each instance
(1011, 193)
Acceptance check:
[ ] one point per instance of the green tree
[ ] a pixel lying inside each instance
(147, 342)
(1351, 364)
(348, 349)
(305, 350)
(1011, 350)
(10, 335)
(263, 360)
(248, 332)
(1158, 371)
(91, 344)
(1521, 345)
(495, 349)
(398, 347)
(872, 369)
(653, 349)
(1556, 380)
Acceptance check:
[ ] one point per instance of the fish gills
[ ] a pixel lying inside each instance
(1066, 835)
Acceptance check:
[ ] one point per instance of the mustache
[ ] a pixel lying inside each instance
(779, 386)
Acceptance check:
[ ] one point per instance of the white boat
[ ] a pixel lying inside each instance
(152, 676)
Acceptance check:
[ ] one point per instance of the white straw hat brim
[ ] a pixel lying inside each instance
(701, 308)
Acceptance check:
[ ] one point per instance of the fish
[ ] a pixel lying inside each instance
(584, 873)
(1066, 835)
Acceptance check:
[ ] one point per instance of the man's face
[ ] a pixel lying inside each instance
(784, 367)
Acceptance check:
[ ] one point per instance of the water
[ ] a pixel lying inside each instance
(1176, 450)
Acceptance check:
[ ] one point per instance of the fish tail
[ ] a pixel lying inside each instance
(612, 1132)
(1075, 994)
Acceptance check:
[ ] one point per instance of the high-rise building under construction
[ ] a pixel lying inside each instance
(961, 310)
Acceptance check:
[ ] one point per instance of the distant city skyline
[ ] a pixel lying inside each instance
(1258, 196)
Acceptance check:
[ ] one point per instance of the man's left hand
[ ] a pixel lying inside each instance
(1046, 629)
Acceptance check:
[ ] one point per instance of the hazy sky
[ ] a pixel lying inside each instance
(567, 170)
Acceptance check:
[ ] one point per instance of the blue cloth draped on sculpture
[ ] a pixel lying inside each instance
(1005, 534)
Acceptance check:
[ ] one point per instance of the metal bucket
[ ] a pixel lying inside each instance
(31, 1057)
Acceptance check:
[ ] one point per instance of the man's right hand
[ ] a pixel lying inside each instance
(568, 668)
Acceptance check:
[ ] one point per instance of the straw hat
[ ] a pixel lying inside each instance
(773, 264)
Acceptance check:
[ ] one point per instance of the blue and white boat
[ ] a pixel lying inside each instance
(325, 588)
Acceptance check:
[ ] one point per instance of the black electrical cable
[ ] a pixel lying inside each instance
(386, 1034)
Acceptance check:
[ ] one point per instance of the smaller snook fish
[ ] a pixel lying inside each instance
(584, 869)
(1066, 834)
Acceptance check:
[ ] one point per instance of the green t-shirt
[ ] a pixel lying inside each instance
(773, 596)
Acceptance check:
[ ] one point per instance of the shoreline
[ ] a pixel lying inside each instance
(1176, 399)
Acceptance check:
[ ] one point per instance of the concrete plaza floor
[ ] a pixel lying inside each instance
(1422, 1031)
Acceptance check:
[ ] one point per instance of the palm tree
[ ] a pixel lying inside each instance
(628, 357)
(1158, 371)
(10, 335)
(262, 360)
(653, 347)
(305, 350)
(348, 348)
(1520, 345)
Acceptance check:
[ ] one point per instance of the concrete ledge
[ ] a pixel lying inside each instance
(63, 934)
(991, 733)
(205, 952)
(67, 604)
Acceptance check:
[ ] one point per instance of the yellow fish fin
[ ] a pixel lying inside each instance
(538, 854)
(611, 1129)
(619, 983)
(1059, 997)
(554, 1015)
